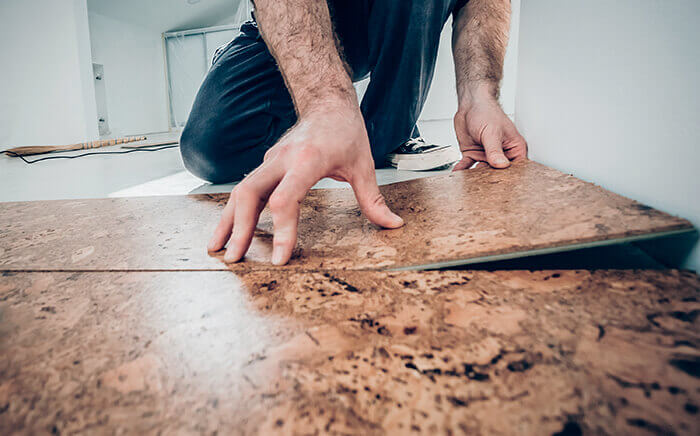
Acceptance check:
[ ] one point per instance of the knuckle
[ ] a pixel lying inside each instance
(235, 194)
(377, 200)
(283, 148)
(279, 203)
(269, 154)
(230, 203)
(238, 239)
(242, 192)
(283, 239)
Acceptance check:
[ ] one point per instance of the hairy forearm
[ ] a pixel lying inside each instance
(299, 34)
(479, 40)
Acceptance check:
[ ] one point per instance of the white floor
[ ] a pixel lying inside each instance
(142, 173)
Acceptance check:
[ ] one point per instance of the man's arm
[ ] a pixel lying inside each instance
(299, 34)
(328, 140)
(479, 41)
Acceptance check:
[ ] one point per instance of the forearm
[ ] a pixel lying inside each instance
(299, 34)
(479, 40)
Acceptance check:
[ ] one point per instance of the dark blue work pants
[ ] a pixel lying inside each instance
(243, 106)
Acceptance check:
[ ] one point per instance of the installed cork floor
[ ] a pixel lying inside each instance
(113, 320)
(451, 352)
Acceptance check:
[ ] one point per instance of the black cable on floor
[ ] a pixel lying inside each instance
(89, 154)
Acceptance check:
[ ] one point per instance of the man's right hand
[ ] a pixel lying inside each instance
(330, 142)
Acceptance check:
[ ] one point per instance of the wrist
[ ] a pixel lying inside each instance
(324, 102)
(334, 91)
(477, 93)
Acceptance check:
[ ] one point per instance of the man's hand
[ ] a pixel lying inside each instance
(479, 39)
(328, 140)
(486, 134)
(332, 143)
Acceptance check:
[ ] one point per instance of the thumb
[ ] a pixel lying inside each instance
(493, 146)
(372, 202)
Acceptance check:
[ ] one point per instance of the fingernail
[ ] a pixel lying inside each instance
(228, 257)
(501, 160)
(277, 257)
(398, 221)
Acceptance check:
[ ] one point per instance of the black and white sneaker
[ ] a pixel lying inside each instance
(418, 155)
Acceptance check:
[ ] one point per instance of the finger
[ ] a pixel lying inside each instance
(493, 146)
(249, 204)
(516, 149)
(481, 165)
(475, 155)
(223, 229)
(464, 164)
(515, 146)
(516, 154)
(285, 204)
(523, 149)
(372, 202)
(249, 197)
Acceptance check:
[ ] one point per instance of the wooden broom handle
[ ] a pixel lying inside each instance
(41, 149)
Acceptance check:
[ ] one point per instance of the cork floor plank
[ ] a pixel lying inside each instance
(607, 352)
(465, 217)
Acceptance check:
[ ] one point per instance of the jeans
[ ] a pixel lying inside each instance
(243, 106)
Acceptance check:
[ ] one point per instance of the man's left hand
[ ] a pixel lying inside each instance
(486, 134)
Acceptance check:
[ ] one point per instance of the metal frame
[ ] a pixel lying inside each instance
(201, 30)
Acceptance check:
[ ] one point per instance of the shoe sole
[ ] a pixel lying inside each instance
(431, 160)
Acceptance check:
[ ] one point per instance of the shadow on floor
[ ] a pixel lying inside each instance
(622, 256)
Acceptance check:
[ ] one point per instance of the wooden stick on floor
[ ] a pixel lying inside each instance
(152, 144)
(41, 149)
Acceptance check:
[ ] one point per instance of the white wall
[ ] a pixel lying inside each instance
(126, 38)
(610, 92)
(46, 85)
(134, 75)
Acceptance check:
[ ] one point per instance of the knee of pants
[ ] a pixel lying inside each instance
(211, 155)
(196, 152)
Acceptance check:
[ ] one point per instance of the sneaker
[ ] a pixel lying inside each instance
(418, 155)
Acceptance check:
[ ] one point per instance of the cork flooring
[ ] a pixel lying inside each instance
(462, 218)
(112, 320)
(449, 352)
